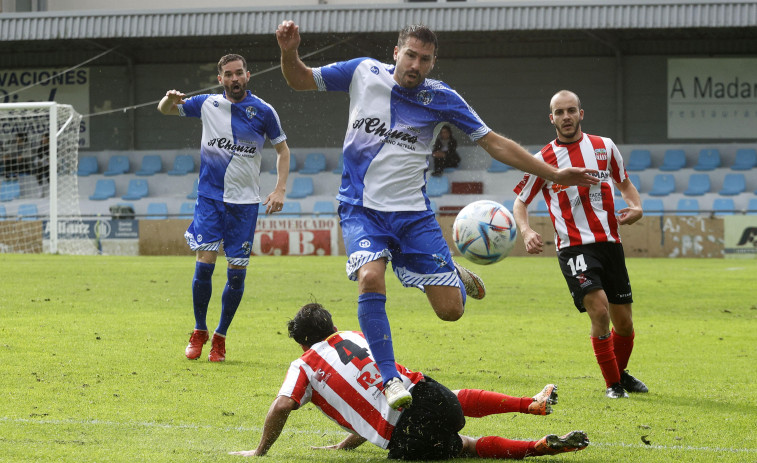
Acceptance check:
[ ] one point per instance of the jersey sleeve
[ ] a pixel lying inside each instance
(296, 384)
(617, 166)
(273, 129)
(192, 106)
(530, 185)
(336, 77)
(463, 116)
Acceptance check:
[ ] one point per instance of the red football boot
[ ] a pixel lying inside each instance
(218, 349)
(196, 341)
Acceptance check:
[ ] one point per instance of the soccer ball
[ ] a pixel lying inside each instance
(484, 232)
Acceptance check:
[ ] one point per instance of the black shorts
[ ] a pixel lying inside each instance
(596, 266)
(428, 430)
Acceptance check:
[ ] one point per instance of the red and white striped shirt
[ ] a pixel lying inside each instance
(341, 378)
(580, 215)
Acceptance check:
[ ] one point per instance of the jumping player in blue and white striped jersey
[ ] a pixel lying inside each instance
(235, 125)
(395, 113)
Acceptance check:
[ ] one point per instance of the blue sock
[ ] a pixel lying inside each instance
(232, 296)
(371, 313)
(202, 288)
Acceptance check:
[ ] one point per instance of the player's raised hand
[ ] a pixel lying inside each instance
(176, 96)
(288, 36)
(579, 176)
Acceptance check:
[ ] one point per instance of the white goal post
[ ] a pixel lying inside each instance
(39, 194)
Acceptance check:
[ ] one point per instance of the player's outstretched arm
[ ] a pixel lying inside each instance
(352, 441)
(507, 151)
(630, 194)
(274, 424)
(275, 201)
(532, 240)
(167, 104)
(297, 75)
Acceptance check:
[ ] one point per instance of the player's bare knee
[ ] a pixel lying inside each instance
(449, 313)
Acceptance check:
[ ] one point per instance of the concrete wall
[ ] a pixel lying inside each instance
(511, 95)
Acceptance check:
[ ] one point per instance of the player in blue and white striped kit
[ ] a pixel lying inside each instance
(395, 114)
(235, 125)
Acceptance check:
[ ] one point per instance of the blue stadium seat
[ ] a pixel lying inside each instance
(302, 187)
(699, 184)
(324, 208)
(117, 164)
(186, 210)
(137, 189)
(183, 164)
(723, 206)
(635, 180)
(292, 165)
(104, 188)
(652, 206)
(340, 167)
(620, 203)
(733, 184)
(709, 159)
(193, 193)
(751, 208)
(663, 185)
(151, 165)
(687, 206)
(497, 166)
(437, 186)
(432, 205)
(541, 209)
(639, 160)
(314, 163)
(87, 166)
(290, 209)
(673, 160)
(3, 215)
(157, 211)
(27, 212)
(746, 159)
(9, 190)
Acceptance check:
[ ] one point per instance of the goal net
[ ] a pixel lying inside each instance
(39, 195)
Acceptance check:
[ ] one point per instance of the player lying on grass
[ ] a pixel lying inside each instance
(338, 375)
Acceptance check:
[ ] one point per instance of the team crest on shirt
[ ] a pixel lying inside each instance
(375, 69)
(246, 248)
(600, 154)
(251, 111)
(425, 97)
(199, 238)
(215, 103)
(364, 243)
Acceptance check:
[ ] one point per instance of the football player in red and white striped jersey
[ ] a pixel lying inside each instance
(339, 376)
(586, 235)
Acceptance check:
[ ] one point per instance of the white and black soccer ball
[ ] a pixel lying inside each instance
(484, 232)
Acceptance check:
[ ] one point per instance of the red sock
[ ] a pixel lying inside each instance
(605, 354)
(501, 448)
(623, 347)
(477, 403)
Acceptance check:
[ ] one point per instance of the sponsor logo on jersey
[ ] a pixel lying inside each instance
(321, 376)
(440, 260)
(582, 280)
(215, 103)
(226, 144)
(600, 154)
(601, 175)
(377, 127)
(364, 243)
(375, 69)
(425, 97)
(556, 187)
(250, 111)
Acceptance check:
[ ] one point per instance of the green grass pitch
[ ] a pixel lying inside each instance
(92, 366)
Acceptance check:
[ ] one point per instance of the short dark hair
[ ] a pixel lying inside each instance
(420, 32)
(229, 58)
(312, 324)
